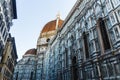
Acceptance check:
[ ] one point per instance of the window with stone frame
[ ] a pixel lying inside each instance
(74, 68)
(96, 42)
(105, 9)
(108, 5)
(80, 74)
(88, 74)
(98, 11)
(95, 71)
(118, 14)
(108, 23)
(117, 32)
(112, 18)
(104, 71)
(82, 54)
(104, 40)
(112, 36)
(91, 47)
(110, 69)
(86, 45)
(66, 57)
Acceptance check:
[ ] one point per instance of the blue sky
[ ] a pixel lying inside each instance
(32, 16)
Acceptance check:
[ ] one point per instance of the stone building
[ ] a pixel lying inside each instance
(7, 14)
(88, 45)
(8, 53)
(9, 60)
(25, 68)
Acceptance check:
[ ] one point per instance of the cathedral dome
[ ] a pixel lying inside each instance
(51, 26)
(31, 51)
(48, 32)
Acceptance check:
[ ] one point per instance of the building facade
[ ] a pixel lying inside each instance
(8, 53)
(26, 67)
(9, 60)
(88, 45)
(7, 14)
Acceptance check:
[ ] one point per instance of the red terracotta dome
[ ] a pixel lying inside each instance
(31, 51)
(50, 26)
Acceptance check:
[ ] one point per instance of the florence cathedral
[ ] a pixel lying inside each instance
(85, 46)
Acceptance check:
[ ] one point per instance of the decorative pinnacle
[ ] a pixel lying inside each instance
(58, 15)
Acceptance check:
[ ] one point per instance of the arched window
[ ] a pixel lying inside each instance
(31, 76)
(74, 69)
(103, 36)
(47, 40)
(86, 49)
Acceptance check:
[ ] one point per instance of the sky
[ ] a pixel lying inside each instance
(32, 16)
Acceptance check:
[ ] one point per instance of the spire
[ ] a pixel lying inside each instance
(57, 21)
(58, 15)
